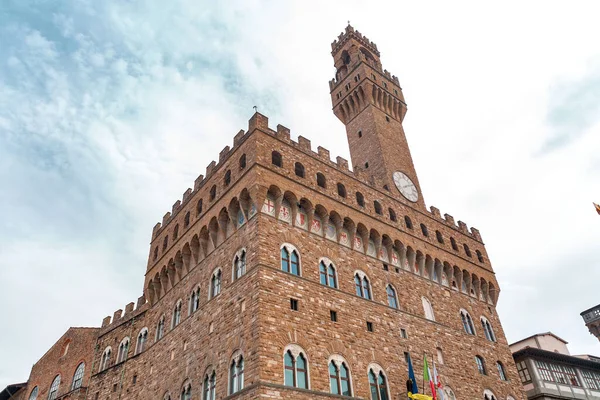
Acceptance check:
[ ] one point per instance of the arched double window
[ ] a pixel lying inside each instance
(78, 376)
(467, 322)
(296, 370)
(424, 230)
(160, 328)
(487, 330)
(391, 296)
(408, 222)
(299, 170)
(467, 250)
(488, 395)
(392, 214)
(480, 365)
(378, 385)
(377, 207)
(195, 300)
(341, 190)
(141, 341)
(215, 283)
(186, 220)
(479, 256)
(236, 374)
(105, 360)
(176, 315)
(362, 286)
(321, 181)
(227, 178)
(428, 309)
(34, 393)
(501, 371)
(210, 386)
(239, 264)
(276, 159)
(186, 392)
(360, 199)
(339, 378)
(123, 350)
(327, 273)
(290, 260)
(54, 388)
(242, 161)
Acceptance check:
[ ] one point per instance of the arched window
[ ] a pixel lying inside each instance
(155, 254)
(339, 378)
(34, 393)
(227, 178)
(176, 315)
(165, 242)
(377, 207)
(449, 393)
(439, 237)
(123, 350)
(424, 230)
(467, 322)
(176, 232)
(392, 215)
(327, 273)
(215, 284)
(276, 159)
(428, 309)
(453, 243)
(242, 162)
(479, 256)
(299, 170)
(480, 365)
(341, 190)
(213, 192)
(186, 392)
(296, 370)
(488, 395)
(360, 199)
(105, 360)
(408, 222)
(290, 261)
(54, 388)
(440, 355)
(199, 208)
(378, 385)
(487, 330)
(501, 370)
(78, 376)
(210, 386)
(321, 181)
(195, 300)
(467, 250)
(160, 328)
(186, 220)
(141, 341)
(391, 296)
(239, 264)
(236, 374)
(363, 288)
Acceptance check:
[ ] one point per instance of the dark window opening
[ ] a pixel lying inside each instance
(360, 199)
(276, 159)
(186, 220)
(403, 333)
(453, 243)
(359, 134)
(333, 315)
(176, 232)
(199, 208)
(321, 181)
(479, 256)
(369, 326)
(294, 304)
(387, 118)
(242, 161)
(227, 177)
(341, 190)
(408, 222)
(165, 242)
(439, 237)
(467, 250)
(366, 165)
(392, 215)
(155, 253)
(386, 187)
(213, 192)
(377, 207)
(424, 230)
(299, 170)
(385, 267)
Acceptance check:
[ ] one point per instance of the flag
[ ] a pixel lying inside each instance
(438, 383)
(427, 376)
(597, 208)
(411, 377)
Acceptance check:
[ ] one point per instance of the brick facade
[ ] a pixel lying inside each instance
(262, 194)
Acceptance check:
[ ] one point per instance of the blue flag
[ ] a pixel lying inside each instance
(411, 376)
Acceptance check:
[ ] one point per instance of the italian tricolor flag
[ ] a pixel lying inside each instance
(428, 378)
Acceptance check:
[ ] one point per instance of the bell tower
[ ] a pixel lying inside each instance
(369, 101)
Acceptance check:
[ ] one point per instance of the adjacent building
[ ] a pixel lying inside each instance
(285, 275)
(548, 371)
(591, 318)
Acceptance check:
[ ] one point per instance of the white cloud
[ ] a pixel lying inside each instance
(109, 101)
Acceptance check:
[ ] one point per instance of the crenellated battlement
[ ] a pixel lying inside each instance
(120, 316)
(350, 32)
(261, 122)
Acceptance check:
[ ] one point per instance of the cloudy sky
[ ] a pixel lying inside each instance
(110, 109)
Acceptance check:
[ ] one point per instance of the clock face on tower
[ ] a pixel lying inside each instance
(406, 186)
